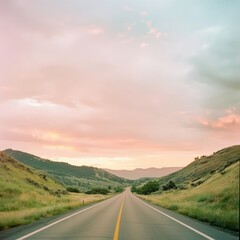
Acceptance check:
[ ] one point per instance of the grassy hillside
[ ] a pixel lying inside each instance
(27, 194)
(81, 177)
(215, 201)
(203, 167)
(207, 189)
(21, 185)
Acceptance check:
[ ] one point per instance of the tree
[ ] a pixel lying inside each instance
(134, 189)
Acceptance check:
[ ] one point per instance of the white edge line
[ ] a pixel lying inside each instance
(62, 219)
(174, 219)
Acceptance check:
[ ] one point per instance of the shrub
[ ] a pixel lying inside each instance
(134, 189)
(148, 188)
(170, 185)
(103, 191)
(73, 189)
(118, 189)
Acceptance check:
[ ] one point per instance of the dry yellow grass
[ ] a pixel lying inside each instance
(57, 206)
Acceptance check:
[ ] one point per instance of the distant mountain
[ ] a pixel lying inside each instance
(82, 177)
(144, 173)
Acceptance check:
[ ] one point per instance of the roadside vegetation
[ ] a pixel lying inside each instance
(27, 195)
(49, 207)
(103, 191)
(147, 188)
(207, 189)
(216, 201)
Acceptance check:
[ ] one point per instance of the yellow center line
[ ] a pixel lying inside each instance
(116, 233)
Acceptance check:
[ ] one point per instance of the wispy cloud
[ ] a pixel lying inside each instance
(127, 8)
(153, 31)
(143, 13)
(143, 45)
(226, 122)
(95, 30)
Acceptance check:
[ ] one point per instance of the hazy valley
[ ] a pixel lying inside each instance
(144, 173)
(32, 188)
(82, 178)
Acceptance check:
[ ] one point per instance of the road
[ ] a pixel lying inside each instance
(123, 217)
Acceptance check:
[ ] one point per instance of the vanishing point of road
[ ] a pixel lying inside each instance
(123, 217)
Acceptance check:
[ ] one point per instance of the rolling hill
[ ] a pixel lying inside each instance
(207, 189)
(81, 177)
(144, 173)
(204, 167)
(27, 194)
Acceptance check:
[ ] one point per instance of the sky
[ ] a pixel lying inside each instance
(120, 84)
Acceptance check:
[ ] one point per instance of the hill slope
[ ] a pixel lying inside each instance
(17, 178)
(27, 194)
(144, 173)
(207, 189)
(82, 177)
(203, 167)
(23, 187)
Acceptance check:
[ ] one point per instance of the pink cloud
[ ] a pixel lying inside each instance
(143, 45)
(95, 30)
(229, 121)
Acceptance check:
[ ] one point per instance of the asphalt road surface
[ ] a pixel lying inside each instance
(123, 217)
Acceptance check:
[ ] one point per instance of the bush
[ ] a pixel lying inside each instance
(148, 188)
(170, 185)
(103, 191)
(72, 189)
(118, 189)
(134, 189)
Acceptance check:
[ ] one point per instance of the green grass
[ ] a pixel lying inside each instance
(215, 201)
(22, 187)
(27, 195)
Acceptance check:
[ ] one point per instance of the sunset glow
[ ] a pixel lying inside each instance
(120, 84)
